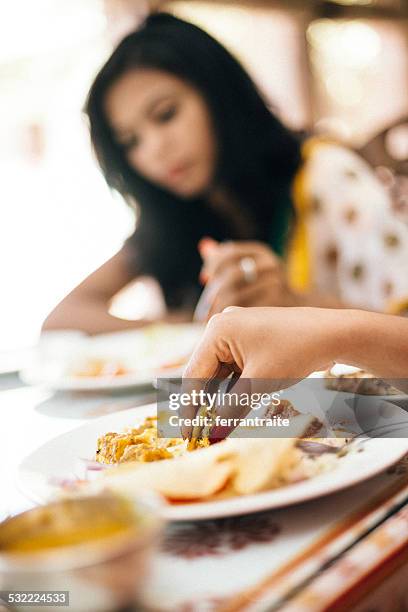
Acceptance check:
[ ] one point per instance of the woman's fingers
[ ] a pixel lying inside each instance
(230, 412)
(193, 384)
(207, 363)
(207, 248)
(203, 363)
(229, 254)
(253, 343)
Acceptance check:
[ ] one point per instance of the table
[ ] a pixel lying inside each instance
(345, 551)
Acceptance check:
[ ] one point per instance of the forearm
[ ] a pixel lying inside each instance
(88, 315)
(372, 341)
(315, 299)
(92, 316)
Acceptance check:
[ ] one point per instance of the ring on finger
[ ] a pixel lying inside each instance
(248, 267)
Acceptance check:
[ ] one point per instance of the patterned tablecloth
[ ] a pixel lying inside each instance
(298, 559)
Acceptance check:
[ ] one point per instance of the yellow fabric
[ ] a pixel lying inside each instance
(300, 273)
(397, 307)
(298, 259)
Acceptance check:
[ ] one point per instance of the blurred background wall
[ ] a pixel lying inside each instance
(335, 67)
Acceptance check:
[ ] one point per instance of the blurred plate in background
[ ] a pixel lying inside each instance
(72, 361)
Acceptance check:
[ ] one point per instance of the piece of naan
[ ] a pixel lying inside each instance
(245, 465)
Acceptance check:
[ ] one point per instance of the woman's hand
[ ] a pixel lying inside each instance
(267, 349)
(269, 343)
(272, 348)
(291, 343)
(243, 274)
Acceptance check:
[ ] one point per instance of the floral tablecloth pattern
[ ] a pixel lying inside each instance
(298, 559)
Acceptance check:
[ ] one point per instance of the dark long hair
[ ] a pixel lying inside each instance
(257, 157)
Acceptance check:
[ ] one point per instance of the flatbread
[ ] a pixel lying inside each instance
(191, 476)
(259, 461)
(247, 465)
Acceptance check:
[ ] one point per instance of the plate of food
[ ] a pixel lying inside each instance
(71, 361)
(122, 452)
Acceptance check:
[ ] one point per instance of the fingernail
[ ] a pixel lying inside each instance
(203, 277)
(206, 245)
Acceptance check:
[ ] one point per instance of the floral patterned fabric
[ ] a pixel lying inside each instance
(352, 236)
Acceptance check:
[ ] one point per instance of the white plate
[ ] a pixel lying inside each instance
(143, 352)
(61, 382)
(61, 458)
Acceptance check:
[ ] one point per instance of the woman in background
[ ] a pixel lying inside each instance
(224, 193)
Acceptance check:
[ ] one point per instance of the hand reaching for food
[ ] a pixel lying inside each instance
(293, 342)
(266, 349)
(283, 345)
(263, 343)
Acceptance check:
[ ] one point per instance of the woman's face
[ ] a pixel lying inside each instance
(164, 126)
